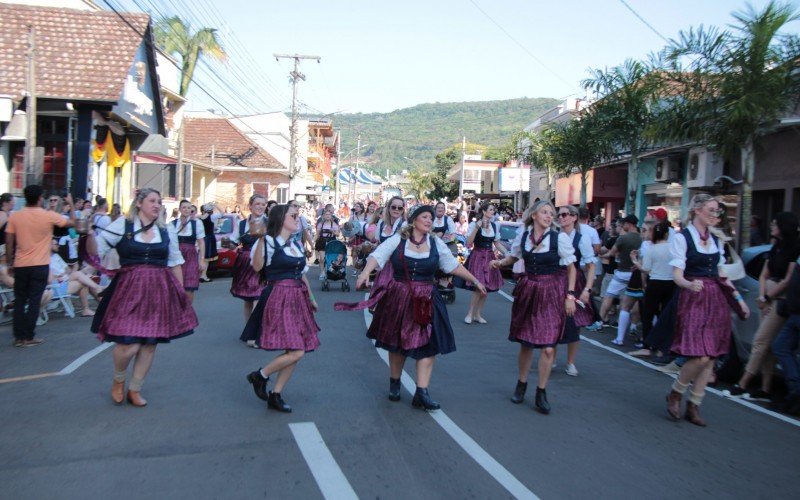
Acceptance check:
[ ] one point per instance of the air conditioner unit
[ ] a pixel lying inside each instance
(704, 167)
(667, 169)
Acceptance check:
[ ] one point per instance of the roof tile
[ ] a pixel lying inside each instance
(230, 146)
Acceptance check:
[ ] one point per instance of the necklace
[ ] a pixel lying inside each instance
(704, 236)
(415, 242)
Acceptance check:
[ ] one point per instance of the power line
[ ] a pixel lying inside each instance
(520, 45)
(623, 2)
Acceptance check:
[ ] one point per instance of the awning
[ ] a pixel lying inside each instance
(346, 176)
(154, 158)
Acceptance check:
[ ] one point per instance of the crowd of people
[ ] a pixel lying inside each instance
(667, 282)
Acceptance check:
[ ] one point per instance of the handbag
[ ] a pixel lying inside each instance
(421, 305)
(735, 270)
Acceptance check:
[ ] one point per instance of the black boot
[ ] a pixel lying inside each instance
(259, 384)
(276, 402)
(423, 400)
(519, 392)
(542, 406)
(394, 389)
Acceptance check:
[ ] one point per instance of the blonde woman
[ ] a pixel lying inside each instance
(145, 305)
(703, 320)
(543, 297)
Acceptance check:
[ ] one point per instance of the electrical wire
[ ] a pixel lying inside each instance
(623, 2)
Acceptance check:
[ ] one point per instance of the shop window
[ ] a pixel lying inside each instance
(54, 166)
(283, 195)
(158, 176)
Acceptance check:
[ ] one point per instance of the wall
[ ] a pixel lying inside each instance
(778, 164)
(234, 187)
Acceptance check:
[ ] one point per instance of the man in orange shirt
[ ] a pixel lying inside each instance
(28, 236)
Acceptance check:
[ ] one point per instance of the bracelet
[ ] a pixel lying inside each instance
(571, 297)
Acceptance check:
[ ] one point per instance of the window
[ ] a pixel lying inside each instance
(159, 176)
(283, 195)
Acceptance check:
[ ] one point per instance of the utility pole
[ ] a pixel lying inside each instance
(338, 169)
(296, 76)
(463, 162)
(31, 170)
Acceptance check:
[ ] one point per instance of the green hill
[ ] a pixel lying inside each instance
(422, 131)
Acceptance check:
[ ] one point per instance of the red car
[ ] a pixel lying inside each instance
(226, 249)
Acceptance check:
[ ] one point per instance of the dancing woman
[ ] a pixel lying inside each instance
(145, 304)
(283, 320)
(483, 237)
(246, 283)
(702, 320)
(415, 255)
(191, 236)
(543, 298)
(584, 280)
(393, 218)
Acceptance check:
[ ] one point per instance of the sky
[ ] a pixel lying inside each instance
(378, 56)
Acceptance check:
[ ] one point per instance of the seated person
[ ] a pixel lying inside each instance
(65, 281)
(336, 269)
(7, 280)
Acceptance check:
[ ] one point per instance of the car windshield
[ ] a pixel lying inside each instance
(508, 233)
(225, 226)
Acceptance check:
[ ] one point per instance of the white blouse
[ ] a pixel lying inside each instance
(291, 250)
(678, 248)
(235, 235)
(448, 221)
(585, 246)
(187, 230)
(566, 252)
(447, 262)
(487, 232)
(395, 227)
(114, 232)
(656, 261)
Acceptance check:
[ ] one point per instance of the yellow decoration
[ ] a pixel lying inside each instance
(115, 159)
(98, 152)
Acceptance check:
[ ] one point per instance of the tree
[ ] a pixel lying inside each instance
(731, 86)
(419, 183)
(442, 187)
(174, 36)
(626, 97)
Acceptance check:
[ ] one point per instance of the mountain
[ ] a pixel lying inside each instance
(422, 131)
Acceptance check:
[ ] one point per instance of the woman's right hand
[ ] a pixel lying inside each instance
(695, 286)
(496, 264)
(362, 281)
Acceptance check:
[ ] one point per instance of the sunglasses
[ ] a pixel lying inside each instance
(53, 200)
(395, 207)
(564, 214)
(293, 216)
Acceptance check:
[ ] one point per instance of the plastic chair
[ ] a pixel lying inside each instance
(64, 300)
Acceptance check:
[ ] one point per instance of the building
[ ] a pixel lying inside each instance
(235, 166)
(98, 102)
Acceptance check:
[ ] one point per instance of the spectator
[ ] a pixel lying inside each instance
(270, 204)
(609, 266)
(28, 241)
(462, 226)
(786, 344)
(116, 212)
(66, 281)
(6, 204)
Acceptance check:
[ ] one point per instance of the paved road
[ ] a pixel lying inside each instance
(205, 435)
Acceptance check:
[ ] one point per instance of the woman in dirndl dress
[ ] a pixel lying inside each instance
(283, 320)
(358, 219)
(145, 304)
(246, 284)
(191, 236)
(702, 321)
(209, 220)
(415, 255)
(584, 280)
(543, 297)
(393, 219)
(482, 236)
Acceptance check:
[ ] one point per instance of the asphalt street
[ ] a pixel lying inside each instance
(205, 435)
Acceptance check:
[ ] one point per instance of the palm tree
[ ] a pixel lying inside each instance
(734, 87)
(419, 183)
(626, 94)
(174, 36)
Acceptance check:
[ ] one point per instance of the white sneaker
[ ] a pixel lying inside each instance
(468, 320)
(322, 277)
(571, 370)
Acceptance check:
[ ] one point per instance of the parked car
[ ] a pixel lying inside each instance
(226, 249)
(507, 231)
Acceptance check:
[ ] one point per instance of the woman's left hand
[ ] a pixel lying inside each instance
(745, 309)
(585, 297)
(570, 306)
(314, 306)
(482, 289)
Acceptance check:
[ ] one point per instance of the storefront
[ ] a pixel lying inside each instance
(605, 190)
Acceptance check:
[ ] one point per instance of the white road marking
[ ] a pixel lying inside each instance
(83, 359)
(327, 473)
(469, 445)
(651, 366)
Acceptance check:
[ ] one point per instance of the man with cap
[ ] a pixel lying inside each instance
(628, 241)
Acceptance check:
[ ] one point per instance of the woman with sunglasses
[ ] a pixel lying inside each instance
(393, 219)
(585, 260)
(246, 284)
(702, 321)
(543, 297)
(482, 236)
(283, 320)
(413, 256)
(358, 220)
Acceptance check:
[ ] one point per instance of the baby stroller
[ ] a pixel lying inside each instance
(335, 265)
(444, 282)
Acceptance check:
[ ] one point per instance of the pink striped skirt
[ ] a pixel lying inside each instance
(190, 267)
(246, 283)
(478, 264)
(283, 318)
(538, 314)
(703, 322)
